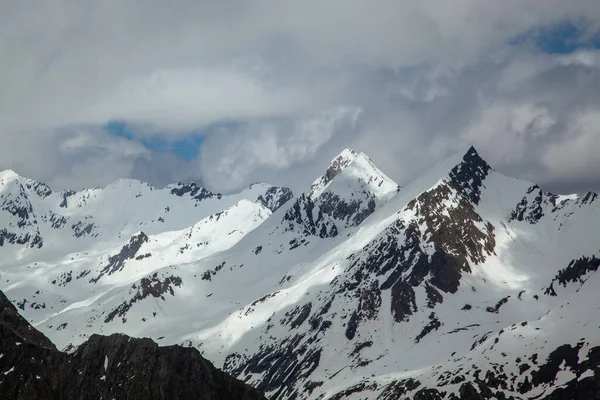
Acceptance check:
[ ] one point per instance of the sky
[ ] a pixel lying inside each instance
(233, 92)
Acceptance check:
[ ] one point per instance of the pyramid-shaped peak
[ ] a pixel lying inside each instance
(336, 166)
(468, 175)
(472, 160)
(472, 152)
(361, 169)
(472, 155)
(464, 156)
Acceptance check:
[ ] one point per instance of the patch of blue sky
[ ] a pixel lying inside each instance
(561, 38)
(186, 147)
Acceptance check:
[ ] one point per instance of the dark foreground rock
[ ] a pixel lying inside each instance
(105, 367)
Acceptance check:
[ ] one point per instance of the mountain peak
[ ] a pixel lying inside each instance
(472, 151)
(349, 191)
(8, 175)
(468, 175)
(472, 156)
(336, 166)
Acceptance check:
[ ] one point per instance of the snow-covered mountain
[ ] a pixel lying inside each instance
(463, 284)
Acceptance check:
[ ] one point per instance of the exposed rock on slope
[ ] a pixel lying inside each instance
(105, 367)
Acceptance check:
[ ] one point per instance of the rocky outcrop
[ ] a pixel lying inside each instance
(533, 379)
(537, 203)
(307, 219)
(108, 367)
(154, 286)
(275, 197)
(21, 226)
(128, 252)
(194, 191)
(576, 271)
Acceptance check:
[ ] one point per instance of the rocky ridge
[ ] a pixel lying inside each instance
(115, 366)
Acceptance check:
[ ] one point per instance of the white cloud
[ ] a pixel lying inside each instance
(576, 156)
(504, 129)
(178, 101)
(230, 158)
(73, 158)
(516, 109)
(429, 75)
(170, 63)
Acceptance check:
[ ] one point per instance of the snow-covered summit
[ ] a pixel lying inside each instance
(336, 166)
(8, 175)
(353, 167)
(350, 190)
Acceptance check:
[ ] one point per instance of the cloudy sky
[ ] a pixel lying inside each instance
(231, 92)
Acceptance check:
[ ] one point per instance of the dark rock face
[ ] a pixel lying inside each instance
(498, 383)
(468, 392)
(65, 201)
(531, 207)
(499, 304)
(358, 388)
(108, 367)
(429, 394)
(323, 216)
(34, 241)
(13, 324)
(574, 272)
(194, 191)
(283, 364)
(589, 198)
(467, 177)
(403, 301)
(81, 229)
(286, 366)
(149, 286)
(55, 220)
(25, 230)
(368, 308)
(433, 324)
(536, 203)
(398, 389)
(128, 252)
(275, 197)
(41, 189)
(300, 218)
(352, 212)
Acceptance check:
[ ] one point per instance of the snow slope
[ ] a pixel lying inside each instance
(464, 283)
(63, 250)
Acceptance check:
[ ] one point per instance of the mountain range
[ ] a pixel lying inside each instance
(462, 284)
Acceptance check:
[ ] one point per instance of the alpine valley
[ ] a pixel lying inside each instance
(463, 284)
